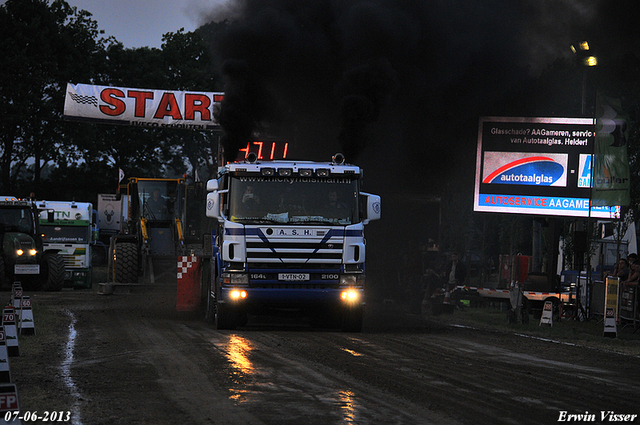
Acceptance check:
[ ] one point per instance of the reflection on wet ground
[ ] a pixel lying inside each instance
(279, 386)
(66, 369)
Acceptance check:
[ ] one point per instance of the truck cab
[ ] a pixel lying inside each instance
(71, 234)
(290, 235)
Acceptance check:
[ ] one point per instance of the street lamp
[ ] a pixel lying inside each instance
(587, 60)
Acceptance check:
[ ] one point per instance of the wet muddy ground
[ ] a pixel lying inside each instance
(130, 358)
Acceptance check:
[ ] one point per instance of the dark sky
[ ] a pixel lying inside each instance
(396, 80)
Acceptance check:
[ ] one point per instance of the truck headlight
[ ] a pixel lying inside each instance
(33, 252)
(235, 278)
(350, 295)
(238, 294)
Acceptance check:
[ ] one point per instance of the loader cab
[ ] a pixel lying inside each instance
(154, 233)
(157, 199)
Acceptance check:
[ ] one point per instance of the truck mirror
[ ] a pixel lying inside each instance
(213, 204)
(50, 216)
(373, 207)
(212, 185)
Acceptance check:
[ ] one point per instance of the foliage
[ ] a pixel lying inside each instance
(44, 46)
(514, 231)
(48, 44)
(620, 228)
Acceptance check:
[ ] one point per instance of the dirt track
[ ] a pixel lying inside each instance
(132, 359)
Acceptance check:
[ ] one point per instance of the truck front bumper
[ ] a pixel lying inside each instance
(292, 297)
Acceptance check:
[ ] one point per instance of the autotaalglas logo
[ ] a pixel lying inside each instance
(584, 170)
(525, 169)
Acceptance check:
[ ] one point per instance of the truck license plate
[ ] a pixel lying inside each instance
(27, 269)
(293, 276)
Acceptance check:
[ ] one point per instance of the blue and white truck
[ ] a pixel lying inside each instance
(290, 235)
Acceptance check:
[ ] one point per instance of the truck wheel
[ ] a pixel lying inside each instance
(52, 272)
(210, 306)
(352, 319)
(209, 310)
(126, 262)
(225, 317)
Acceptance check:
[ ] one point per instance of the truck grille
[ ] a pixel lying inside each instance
(294, 252)
(72, 261)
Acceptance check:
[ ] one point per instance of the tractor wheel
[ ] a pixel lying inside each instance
(125, 262)
(52, 272)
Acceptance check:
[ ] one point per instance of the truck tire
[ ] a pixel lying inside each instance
(225, 317)
(125, 262)
(352, 319)
(209, 305)
(52, 272)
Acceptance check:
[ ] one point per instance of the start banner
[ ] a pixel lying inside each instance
(142, 107)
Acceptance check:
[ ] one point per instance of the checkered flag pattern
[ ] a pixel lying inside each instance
(85, 100)
(185, 264)
(188, 288)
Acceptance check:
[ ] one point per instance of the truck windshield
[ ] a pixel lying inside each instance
(16, 220)
(65, 234)
(293, 200)
(158, 199)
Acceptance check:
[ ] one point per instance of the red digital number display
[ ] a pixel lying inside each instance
(265, 150)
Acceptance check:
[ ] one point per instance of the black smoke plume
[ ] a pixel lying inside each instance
(324, 73)
(399, 85)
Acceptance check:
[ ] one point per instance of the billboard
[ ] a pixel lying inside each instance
(141, 107)
(540, 166)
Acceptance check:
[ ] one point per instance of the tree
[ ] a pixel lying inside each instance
(44, 46)
(183, 63)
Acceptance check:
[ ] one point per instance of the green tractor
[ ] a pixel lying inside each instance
(23, 258)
